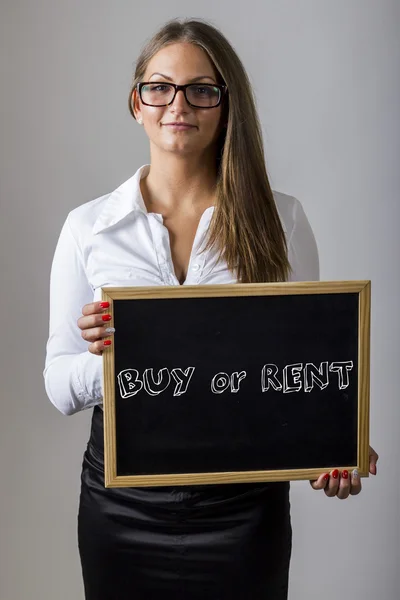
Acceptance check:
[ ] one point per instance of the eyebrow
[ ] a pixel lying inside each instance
(190, 80)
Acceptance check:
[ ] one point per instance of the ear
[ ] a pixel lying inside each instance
(135, 102)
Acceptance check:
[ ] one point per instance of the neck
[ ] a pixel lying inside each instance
(176, 183)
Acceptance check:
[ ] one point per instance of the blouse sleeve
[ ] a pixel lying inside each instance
(73, 375)
(302, 248)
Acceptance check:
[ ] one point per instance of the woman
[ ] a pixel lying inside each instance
(206, 183)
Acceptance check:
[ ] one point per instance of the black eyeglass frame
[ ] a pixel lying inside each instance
(222, 90)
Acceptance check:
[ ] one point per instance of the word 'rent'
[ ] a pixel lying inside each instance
(294, 378)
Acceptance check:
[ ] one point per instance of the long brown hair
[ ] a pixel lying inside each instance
(245, 227)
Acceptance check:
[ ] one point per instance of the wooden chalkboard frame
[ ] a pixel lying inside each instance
(362, 288)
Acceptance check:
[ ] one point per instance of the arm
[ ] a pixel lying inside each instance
(73, 376)
(303, 257)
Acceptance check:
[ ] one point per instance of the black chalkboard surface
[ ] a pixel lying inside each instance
(257, 382)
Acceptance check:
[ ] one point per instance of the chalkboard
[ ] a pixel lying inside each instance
(230, 383)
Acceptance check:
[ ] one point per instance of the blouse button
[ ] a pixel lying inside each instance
(196, 267)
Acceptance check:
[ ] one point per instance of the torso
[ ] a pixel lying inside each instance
(182, 231)
(182, 224)
(123, 243)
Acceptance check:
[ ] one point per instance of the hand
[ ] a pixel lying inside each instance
(95, 326)
(344, 484)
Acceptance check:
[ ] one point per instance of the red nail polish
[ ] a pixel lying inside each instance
(106, 317)
(326, 477)
(107, 343)
(345, 474)
(104, 304)
(335, 474)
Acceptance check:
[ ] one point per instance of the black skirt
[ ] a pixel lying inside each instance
(213, 542)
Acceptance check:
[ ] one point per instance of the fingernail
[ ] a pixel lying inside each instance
(335, 474)
(104, 304)
(345, 474)
(110, 330)
(107, 343)
(355, 474)
(326, 477)
(106, 317)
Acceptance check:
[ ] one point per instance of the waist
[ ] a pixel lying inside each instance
(186, 494)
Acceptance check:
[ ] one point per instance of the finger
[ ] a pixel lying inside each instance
(355, 483)
(95, 308)
(96, 333)
(321, 482)
(344, 485)
(373, 459)
(93, 320)
(99, 346)
(333, 485)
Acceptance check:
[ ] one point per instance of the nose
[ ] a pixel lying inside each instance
(180, 103)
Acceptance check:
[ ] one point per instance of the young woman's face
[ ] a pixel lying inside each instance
(180, 63)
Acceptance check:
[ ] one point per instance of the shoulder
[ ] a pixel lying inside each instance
(82, 218)
(302, 246)
(289, 209)
(100, 214)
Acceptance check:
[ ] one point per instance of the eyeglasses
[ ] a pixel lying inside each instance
(198, 95)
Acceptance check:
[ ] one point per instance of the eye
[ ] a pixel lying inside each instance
(157, 87)
(203, 90)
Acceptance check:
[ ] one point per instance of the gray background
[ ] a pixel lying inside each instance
(327, 79)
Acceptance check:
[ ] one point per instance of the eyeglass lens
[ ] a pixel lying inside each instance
(200, 95)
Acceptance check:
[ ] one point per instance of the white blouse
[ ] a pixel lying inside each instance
(114, 241)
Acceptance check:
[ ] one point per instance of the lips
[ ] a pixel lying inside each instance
(179, 124)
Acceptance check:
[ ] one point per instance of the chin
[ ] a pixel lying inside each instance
(179, 147)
